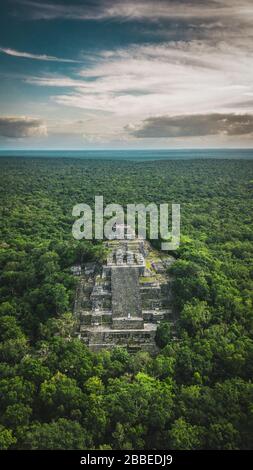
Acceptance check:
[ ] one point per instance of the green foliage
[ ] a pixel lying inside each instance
(195, 316)
(59, 395)
(163, 334)
(184, 436)
(17, 415)
(62, 434)
(197, 391)
(6, 438)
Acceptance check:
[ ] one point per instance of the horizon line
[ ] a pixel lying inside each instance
(119, 149)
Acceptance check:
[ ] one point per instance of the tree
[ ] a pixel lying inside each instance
(184, 436)
(62, 434)
(95, 414)
(63, 326)
(60, 395)
(195, 316)
(190, 280)
(223, 436)
(16, 415)
(9, 329)
(13, 350)
(7, 309)
(163, 334)
(71, 357)
(14, 390)
(162, 367)
(34, 370)
(6, 438)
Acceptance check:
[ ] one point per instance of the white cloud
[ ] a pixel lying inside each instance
(138, 10)
(172, 78)
(28, 55)
(55, 81)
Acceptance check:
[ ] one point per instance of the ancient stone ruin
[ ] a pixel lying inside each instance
(122, 302)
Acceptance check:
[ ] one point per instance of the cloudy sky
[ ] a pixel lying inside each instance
(126, 74)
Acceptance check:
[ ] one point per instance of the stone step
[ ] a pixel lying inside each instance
(126, 298)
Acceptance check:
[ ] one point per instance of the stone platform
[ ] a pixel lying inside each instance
(126, 299)
(122, 302)
(100, 337)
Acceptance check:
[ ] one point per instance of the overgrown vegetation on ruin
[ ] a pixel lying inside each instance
(197, 392)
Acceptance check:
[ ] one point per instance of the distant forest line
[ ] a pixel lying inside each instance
(144, 155)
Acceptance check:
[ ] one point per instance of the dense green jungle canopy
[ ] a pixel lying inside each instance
(197, 392)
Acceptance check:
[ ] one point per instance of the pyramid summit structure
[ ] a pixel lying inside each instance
(122, 302)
